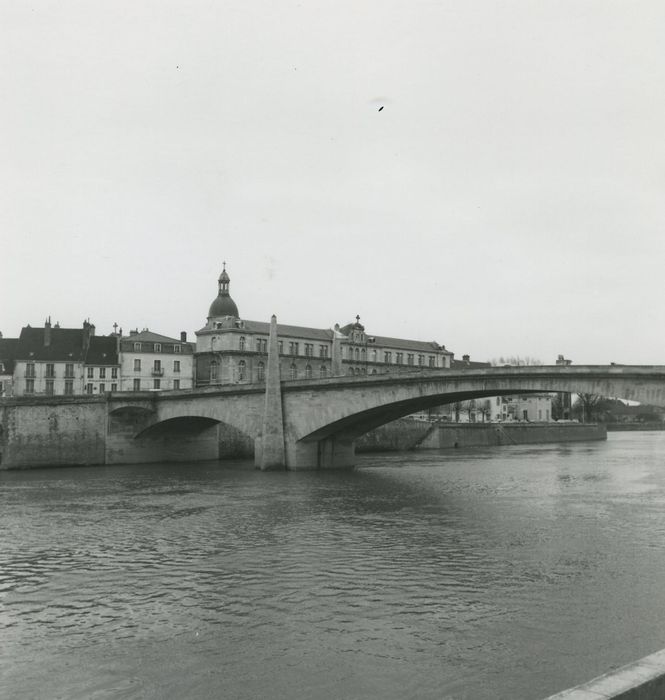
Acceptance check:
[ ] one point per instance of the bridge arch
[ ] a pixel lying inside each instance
(323, 435)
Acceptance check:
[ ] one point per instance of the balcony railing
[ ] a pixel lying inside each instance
(157, 372)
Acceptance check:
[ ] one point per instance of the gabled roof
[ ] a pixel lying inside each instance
(66, 345)
(102, 350)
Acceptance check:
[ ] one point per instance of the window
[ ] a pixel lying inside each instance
(242, 343)
(387, 357)
(88, 388)
(156, 383)
(29, 386)
(114, 372)
(176, 384)
(213, 371)
(421, 360)
(137, 365)
(293, 373)
(431, 361)
(409, 359)
(102, 388)
(69, 387)
(158, 347)
(261, 373)
(350, 353)
(357, 354)
(137, 385)
(50, 370)
(399, 358)
(157, 367)
(114, 387)
(177, 348)
(176, 365)
(241, 371)
(137, 347)
(308, 372)
(309, 350)
(69, 370)
(280, 347)
(373, 371)
(362, 354)
(323, 372)
(91, 372)
(323, 351)
(49, 387)
(374, 357)
(102, 372)
(30, 370)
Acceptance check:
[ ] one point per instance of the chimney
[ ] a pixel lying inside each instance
(183, 336)
(47, 332)
(88, 332)
(134, 332)
(465, 358)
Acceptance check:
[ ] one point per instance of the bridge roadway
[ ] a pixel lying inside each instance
(322, 418)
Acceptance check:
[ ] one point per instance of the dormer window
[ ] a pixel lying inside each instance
(158, 347)
(177, 348)
(137, 347)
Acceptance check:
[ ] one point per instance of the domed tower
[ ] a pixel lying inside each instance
(223, 306)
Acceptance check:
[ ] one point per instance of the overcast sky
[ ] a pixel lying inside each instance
(507, 200)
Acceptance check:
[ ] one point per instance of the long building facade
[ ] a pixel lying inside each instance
(231, 350)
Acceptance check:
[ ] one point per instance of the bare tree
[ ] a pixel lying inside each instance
(586, 405)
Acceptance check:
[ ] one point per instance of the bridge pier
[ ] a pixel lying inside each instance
(331, 453)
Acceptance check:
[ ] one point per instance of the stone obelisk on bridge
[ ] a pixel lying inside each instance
(270, 450)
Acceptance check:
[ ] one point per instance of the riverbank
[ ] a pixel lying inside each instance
(406, 434)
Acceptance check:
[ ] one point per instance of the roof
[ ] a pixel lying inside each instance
(102, 351)
(285, 331)
(469, 364)
(66, 345)
(150, 337)
(404, 344)
(8, 349)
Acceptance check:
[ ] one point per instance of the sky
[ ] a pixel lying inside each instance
(507, 199)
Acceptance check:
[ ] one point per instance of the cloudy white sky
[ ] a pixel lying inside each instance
(508, 199)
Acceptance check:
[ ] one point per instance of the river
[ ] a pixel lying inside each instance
(508, 572)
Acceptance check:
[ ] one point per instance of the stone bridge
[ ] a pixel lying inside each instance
(313, 423)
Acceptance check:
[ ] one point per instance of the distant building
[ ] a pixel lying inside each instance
(232, 350)
(51, 360)
(149, 361)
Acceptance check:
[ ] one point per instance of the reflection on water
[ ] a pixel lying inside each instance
(506, 572)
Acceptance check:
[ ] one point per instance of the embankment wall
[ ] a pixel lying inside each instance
(407, 434)
(55, 432)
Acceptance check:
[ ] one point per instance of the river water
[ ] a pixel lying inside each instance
(508, 572)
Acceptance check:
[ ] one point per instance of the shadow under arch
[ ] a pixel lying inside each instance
(231, 441)
(353, 426)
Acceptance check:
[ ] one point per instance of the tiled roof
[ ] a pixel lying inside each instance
(102, 351)
(66, 345)
(285, 331)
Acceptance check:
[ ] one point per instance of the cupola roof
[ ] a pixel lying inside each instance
(223, 305)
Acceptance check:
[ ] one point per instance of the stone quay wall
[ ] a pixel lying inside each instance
(405, 434)
(46, 431)
(641, 680)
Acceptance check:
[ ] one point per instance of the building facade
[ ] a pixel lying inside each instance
(231, 350)
(152, 362)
